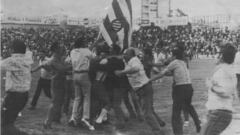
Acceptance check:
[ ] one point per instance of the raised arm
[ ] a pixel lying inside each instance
(167, 71)
(158, 76)
(221, 94)
(133, 68)
(130, 70)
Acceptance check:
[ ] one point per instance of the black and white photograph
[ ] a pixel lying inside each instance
(120, 67)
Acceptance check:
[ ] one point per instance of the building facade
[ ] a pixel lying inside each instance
(217, 21)
(149, 11)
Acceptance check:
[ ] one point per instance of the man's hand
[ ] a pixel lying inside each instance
(103, 61)
(118, 72)
(156, 70)
(221, 94)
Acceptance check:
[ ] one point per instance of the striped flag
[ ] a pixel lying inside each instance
(117, 26)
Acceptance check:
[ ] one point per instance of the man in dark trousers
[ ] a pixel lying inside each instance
(138, 80)
(58, 67)
(44, 83)
(182, 91)
(18, 80)
(100, 100)
(117, 86)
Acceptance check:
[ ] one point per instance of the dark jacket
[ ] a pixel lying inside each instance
(113, 64)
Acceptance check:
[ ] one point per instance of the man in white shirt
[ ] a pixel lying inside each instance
(29, 55)
(237, 67)
(80, 58)
(159, 56)
(138, 79)
(18, 80)
(221, 94)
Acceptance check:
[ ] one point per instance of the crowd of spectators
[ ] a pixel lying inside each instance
(40, 39)
(204, 40)
(108, 77)
(197, 41)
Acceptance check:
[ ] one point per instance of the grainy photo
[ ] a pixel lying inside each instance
(120, 67)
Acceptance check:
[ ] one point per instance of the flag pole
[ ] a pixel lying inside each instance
(99, 35)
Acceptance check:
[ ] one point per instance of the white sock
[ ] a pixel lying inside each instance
(105, 118)
(88, 124)
(101, 116)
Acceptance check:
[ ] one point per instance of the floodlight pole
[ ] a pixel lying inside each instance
(169, 8)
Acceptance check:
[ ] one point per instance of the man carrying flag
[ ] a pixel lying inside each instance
(116, 30)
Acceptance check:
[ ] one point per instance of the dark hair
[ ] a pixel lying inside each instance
(116, 49)
(79, 43)
(102, 49)
(132, 51)
(181, 46)
(178, 53)
(148, 51)
(228, 53)
(54, 47)
(18, 46)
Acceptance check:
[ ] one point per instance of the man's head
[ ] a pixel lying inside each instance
(178, 53)
(148, 52)
(181, 46)
(158, 50)
(173, 44)
(129, 53)
(115, 50)
(79, 43)
(42, 55)
(18, 46)
(228, 54)
(57, 49)
(102, 50)
(140, 55)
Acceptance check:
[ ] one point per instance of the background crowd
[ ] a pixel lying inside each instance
(204, 41)
(110, 77)
(40, 39)
(197, 41)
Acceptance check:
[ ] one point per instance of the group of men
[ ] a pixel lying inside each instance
(101, 82)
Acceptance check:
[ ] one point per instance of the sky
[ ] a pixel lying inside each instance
(97, 8)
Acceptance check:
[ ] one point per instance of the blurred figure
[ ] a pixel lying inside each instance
(58, 67)
(159, 56)
(221, 93)
(138, 79)
(237, 67)
(117, 86)
(18, 80)
(148, 63)
(44, 82)
(29, 55)
(101, 103)
(68, 87)
(80, 58)
(182, 91)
